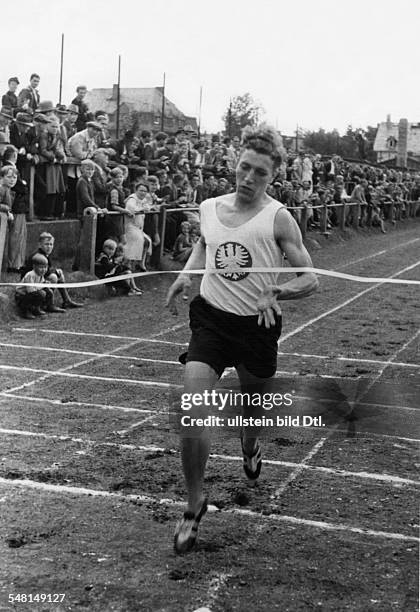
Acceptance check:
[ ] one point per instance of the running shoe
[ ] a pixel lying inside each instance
(252, 463)
(186, 530)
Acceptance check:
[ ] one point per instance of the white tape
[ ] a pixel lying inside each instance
(299, 270)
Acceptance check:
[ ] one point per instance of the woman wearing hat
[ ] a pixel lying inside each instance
(52, 155)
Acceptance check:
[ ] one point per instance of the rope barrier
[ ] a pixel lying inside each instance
(299, 270)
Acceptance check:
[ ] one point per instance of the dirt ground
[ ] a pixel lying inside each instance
(90, 478)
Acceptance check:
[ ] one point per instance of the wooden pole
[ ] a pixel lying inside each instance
(162, 121)
(61, 69)
(199, 111)
(118, 98)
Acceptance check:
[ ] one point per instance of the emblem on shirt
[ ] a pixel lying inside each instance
(231, 256)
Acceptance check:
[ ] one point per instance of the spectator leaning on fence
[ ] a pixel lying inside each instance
(20, 207)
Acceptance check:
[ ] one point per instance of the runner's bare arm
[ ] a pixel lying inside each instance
(289, 239)
(182, 284)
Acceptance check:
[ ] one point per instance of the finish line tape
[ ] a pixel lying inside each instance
(321, 272)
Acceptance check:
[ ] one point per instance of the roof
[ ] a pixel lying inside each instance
(388, 129)
(141, 99)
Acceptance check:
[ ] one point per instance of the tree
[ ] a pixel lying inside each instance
(242, 110)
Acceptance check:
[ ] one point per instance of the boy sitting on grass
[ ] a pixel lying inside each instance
(33, 301)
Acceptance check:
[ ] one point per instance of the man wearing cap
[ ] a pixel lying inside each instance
(82, 108)
(22, 136)
(28, 98)
(81, 146)
(70, 120)
(46, 108)
(10, 98)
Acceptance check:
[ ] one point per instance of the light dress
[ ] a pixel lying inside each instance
(136, 239)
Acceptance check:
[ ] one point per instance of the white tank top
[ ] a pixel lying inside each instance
(252, 244)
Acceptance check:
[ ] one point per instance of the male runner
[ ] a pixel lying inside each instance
(236, 319)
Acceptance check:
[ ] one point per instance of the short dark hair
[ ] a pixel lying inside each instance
(145, 133)
(263, 139)
(34, 75)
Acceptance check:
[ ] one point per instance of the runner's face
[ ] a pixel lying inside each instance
(253, 173)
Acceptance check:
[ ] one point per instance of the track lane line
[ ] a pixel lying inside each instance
(292, 520)
(386, 478)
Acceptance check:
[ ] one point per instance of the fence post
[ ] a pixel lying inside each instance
(356, 215)
(88, 243)
(303, 221)
(3, 230)
(324, 219)
(163, 215)
(31, 213)
(343, 212)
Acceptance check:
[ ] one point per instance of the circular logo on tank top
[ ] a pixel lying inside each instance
(233, 255)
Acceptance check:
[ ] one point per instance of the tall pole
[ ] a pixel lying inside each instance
(297, 138)
(199, 111)
(162, 120)
(118, 98)
(61, 69)
(230, 119)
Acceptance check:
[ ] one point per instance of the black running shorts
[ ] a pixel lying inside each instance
(223, 339)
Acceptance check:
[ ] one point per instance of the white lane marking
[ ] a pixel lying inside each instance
(398, 246)
(123, 432)
(299, 468)
(297, 471)
(66, 374)
(387, 478)
(86, 353)
(64, 404)
(63, 489)
(47, 400)
(402, 364)
(177, 363)
(342, 305)
(111, 337)
(91, 359)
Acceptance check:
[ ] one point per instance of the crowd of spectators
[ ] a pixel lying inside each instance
(78, 169)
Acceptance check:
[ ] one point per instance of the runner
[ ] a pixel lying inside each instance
(236, 318)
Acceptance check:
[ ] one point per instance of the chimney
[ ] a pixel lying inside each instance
(388, 122)
(402, 143)
(114, 92)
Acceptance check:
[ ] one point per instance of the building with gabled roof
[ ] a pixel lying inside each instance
(141, 106)
(398, 143)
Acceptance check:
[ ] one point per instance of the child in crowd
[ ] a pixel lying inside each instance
(183, 244)
(54, 275)
(110, 263)
(33, 301)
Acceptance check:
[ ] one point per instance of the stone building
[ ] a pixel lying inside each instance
(141, 106)
(398, 143)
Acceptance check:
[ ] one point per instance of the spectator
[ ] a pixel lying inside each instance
(81, 146)
(10, 98)
(109, 264)
(6, 118)
(20, 205)
(8, 178)
(83, 110)
(33, 301)
(183, 244)
(116, 203)
(138, 244)
(28, 98)
(22, 136)
(47, 108)
(71, 120)
(52, 156)
(54, 275)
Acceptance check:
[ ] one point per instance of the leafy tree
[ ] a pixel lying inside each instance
(242, 110)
